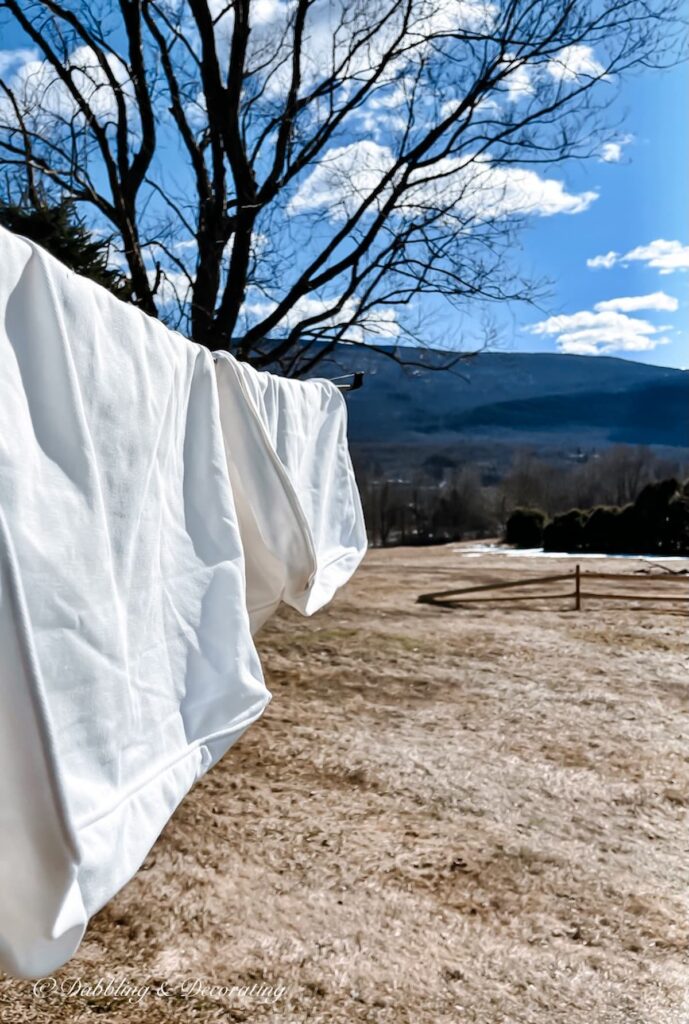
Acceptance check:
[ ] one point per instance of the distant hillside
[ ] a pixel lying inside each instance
(515, 397)
(653, 414)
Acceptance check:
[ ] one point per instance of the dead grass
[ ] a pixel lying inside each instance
(475, 815)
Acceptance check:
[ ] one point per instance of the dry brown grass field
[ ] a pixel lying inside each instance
(445, 816)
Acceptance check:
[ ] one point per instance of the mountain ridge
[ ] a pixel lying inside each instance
(593, 400)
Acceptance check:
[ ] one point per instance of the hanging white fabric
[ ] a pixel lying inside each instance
(297, 502)
(127, 665)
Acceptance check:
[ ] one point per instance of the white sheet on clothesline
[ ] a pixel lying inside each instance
(127, 665)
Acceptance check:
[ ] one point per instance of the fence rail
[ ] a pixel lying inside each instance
(464, 595)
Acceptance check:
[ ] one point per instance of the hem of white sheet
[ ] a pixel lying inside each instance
(145, 803)
(328, 579)
(143, 813)
(238, 725)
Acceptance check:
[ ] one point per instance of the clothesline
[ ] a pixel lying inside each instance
(356, 382)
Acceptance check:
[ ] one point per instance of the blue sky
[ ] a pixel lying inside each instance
(641, 199)
(633, 302)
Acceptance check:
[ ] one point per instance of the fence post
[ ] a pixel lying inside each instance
(577, 589)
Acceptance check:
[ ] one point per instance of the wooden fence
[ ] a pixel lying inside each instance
(467, 595)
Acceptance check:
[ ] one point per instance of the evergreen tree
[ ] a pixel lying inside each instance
(58, 229)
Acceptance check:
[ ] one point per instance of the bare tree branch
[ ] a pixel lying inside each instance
(310, 173)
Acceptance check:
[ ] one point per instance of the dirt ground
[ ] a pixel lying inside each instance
(468, 815)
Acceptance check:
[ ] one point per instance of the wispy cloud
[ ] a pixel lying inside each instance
(10, 60)
(611, 152)
(633, 303)
(600, 331)
(573, 62)
(662, 255)
(365, 325)
(607, 261)
(43, 96)
(347, 174)
(518, 82)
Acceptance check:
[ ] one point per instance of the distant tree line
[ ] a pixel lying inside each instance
(538, 497)
(427, 512)
(656, 522)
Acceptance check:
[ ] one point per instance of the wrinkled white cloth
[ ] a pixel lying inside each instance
(297, 503)
(127, 665)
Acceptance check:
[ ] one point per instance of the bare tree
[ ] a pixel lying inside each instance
(305, 170)
(614, 476)
(623, 470)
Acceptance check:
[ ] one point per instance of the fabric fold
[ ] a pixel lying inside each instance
(297, 502)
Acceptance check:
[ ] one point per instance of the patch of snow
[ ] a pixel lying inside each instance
(493, 549)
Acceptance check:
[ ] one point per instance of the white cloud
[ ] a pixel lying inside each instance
(662, 255)
(513, 190)
(485, 106)
(574, 62)
(611, 152)
(173, 287)
(12, 59)
(347, 174)
(518, 82)
(599, 332)
(344, 176)
(265, 12)
(392, 98)
(440, 17)
(42, 96)
(632, 303)
(385, 112)
(411, 31)
(607, 261)
(371, 325)
(267, 19)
